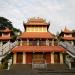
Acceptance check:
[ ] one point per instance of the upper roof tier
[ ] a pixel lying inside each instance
(36, 21)
(5, 38)
(6, 30)
(66, 30)
(44, 35)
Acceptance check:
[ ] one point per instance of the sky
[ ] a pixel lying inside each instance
(59, 13)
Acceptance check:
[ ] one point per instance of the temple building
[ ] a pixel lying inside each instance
(5, 35)
(67, 38)
(37, 45)
(67, 35)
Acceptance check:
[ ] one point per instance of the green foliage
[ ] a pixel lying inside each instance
(5, 23)
(16, 31)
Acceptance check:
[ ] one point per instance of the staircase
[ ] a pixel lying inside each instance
(70, 49)
(22, 67)
(70, 58)
(6, 48)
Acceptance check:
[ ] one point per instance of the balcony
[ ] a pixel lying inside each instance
(42, 43)
(24, 43)
(39, 42)
(33, 43)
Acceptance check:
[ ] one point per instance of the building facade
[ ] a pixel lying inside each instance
(5, 35)
(67, 35)
(37, 45)
(68, 38)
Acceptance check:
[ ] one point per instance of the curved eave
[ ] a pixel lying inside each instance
(5, 38)
(35, 38)
(68, 38)
(64, 32)
(38, 49)
(28, 24)
(39, 35)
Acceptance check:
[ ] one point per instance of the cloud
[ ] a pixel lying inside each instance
(61, 13)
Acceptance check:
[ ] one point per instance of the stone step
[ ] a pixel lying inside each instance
(21, 67)
(57, 66)
(29, 66)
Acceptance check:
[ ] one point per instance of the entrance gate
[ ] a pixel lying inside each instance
(38, 61)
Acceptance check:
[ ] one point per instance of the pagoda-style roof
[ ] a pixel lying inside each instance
(68, 38)
(36, 21)
(45, 35)
(38, 49)
(66, 30)
(6, 30)
(5, 38)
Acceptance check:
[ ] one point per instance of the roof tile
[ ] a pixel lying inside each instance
(37, 35)
(38, 49)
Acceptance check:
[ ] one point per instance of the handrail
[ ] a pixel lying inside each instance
(7, 47)
(70, 48)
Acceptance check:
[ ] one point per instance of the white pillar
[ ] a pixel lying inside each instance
(14, 58)
(21, 43)
(53, 42)
(2, 35)
(69, 65)
(61, 58)
(24, 58)
(37, 42)
(47, 42)
(27, 41)
(52, 58)
(9, 34)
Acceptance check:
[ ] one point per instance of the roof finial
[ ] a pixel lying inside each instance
(66, 29)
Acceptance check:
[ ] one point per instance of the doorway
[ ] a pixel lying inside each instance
(19, 57)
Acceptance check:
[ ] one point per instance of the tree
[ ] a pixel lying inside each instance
(16, 33)
(5, 23)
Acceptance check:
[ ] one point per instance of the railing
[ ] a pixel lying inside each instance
(70, 48)
(0, 45)
(39, 64)
(24, 42)
(33, 43)
(7, 47)
(42, 43)
(14, 44)
(0, 50)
